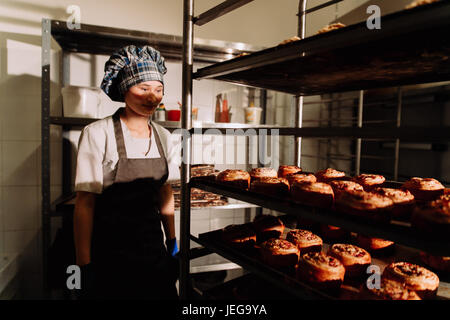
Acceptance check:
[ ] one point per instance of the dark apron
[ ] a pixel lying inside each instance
(128, 252)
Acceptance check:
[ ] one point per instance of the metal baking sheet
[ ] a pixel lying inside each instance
(350, 288)
(411, 47)
(397, 231)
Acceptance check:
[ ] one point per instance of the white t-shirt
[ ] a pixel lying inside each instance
(97, 154)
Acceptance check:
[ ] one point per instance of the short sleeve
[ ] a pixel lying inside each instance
(91, 151)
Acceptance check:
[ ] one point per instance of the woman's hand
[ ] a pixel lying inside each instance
(83, 218)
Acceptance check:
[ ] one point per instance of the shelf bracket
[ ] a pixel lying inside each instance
(219, 10)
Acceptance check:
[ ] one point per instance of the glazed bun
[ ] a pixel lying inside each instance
(305, 240)
(239, 236)
(271, 186)
(355, 259)
(321, 271)
(333, 233)
(267, 226)
(301, 178)
(317, 194)
(279, 253)
(329, 174)
(432, 218)
(369, 205)
(369, 181)
(258, 173)
(341, 186)
(234, 178)
(375, 246)
(388, 290)
(416, 278)
(284, 171)
(424, 189)
(402, 198)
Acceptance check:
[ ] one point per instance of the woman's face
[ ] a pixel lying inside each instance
(144, 97)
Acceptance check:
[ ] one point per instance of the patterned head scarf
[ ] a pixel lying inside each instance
(130, 66)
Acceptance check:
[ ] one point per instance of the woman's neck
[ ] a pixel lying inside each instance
(137, 124)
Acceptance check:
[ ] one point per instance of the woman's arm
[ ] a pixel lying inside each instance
(167, 209)
(83, 220)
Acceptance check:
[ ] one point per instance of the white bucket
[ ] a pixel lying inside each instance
(252, 115)
(81, 102)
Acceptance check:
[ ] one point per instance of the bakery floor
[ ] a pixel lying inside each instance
(241, 285)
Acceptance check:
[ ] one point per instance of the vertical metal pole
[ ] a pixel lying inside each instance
(45, 148)
(358, 141)
(299, 99)
(185, 210)
(66, 145)
(397, 141)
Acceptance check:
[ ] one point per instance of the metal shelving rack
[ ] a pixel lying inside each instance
(98, 40)
(410, 48)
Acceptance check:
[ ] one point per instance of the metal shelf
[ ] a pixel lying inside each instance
(95, 39)
(411, 48)
(290, 284)
(399, 232)
(350, 287)
(416, 134)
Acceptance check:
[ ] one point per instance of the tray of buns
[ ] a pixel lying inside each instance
(415, 213)
(313, 261)
(411, 47)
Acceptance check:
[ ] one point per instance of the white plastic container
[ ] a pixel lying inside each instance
(81, 102)
(252, 115)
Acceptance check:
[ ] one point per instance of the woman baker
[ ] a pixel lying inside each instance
(124, 164)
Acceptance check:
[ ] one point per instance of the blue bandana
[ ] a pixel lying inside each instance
(130, 66)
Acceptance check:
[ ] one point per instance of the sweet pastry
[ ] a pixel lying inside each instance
(271, 186)
(355, 259)
(418, 3)
(333, 233)
(389, 290)
(340, 186)
(438, 263)
(317, 194)
(258, 173)
(279, 253)
(267, 226)
(375, 245)
(402, 198)
(329, 174)
(432, 218)
(331, 27)
(234, 178)
(301, 178)
(424, 189)
(419, 279)
(292, 39)
(305, 240)
(321, 271)
(365, 204)
(284, 171)
(369, 181)
(239, 236)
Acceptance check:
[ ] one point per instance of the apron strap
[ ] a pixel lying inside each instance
(119, 134)
(158, 143)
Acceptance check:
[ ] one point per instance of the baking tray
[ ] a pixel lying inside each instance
(411, 47)
(397, 231)
(289, 287)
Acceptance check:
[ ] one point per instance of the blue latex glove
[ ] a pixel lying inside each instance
(172, 246)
